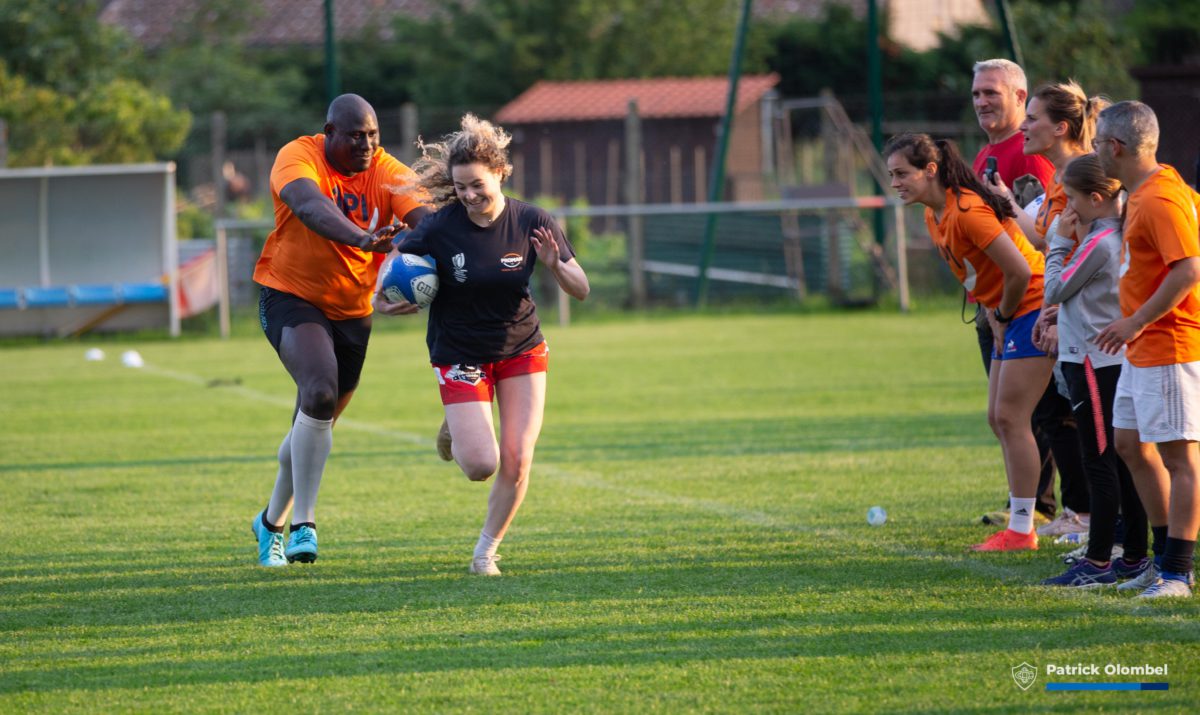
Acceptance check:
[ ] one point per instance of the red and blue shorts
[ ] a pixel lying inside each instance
(477, 383)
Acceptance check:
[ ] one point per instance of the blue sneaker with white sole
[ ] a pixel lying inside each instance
(270, 543)
(302, 545)
(1084, 574)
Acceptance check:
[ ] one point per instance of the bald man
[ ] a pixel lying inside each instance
(337, 196)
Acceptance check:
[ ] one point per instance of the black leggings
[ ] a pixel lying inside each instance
(1111, 484)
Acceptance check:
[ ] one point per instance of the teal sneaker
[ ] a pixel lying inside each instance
(270, 543)
(302, 545)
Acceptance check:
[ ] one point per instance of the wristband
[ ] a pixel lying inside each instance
(1000, 318)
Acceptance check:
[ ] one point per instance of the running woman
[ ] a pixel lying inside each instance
(976, 235)
(484, 336)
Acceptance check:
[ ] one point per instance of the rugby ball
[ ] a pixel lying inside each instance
(410, 277)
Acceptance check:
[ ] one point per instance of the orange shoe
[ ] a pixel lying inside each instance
(1008, 540)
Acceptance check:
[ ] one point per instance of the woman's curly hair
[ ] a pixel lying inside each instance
(478, 142)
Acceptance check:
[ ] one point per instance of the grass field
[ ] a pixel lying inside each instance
(694, 539)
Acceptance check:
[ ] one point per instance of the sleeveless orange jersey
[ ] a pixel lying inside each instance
(967, 228)
(1052, 206)
(1161, 227)
(336, 278)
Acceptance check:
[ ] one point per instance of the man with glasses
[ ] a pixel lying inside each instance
(1156, 415)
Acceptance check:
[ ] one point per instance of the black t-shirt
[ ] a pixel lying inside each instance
(483, 311)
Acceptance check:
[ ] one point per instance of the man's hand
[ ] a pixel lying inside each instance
(381, 239)
(1117, 334)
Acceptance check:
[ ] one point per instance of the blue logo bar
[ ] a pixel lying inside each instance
(1107, 686)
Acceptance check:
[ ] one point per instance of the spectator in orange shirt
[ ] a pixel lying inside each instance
(1059, 125)
(336, 198)
(1156, 415)
(974, 231)
(999, 91)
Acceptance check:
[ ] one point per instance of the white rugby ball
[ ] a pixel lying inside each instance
(410, 277)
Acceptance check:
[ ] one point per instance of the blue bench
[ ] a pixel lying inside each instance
(82, 295)
(49, 297)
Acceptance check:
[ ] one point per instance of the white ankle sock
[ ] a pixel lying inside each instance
(1020, 519)
(312, 440)
(486, 546)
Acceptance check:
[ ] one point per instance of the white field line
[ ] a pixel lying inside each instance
(979, 565)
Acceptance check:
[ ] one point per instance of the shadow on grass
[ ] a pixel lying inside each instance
(95, 623)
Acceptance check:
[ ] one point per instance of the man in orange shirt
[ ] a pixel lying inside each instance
(1156, 416)
(336, 196)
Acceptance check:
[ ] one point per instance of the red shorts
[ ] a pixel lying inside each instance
(477, 383)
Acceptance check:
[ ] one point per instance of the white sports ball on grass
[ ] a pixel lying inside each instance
(410, 277)
(876, 516)
(132, 358)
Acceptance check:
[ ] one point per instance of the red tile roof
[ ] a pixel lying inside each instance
(277, 22)
(609, 99)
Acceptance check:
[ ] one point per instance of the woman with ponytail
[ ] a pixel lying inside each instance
(1060, 122)
(974, 231)
(1059, 125)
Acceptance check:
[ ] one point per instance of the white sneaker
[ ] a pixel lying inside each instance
(485, 566)
(1073, 556)
(1148, 579)
(1167, 588)
(1068, 522)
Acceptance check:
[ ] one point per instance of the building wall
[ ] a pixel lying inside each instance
(572, 160)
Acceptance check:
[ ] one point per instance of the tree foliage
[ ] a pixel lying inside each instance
(206, 67)
(485, 53)
(66, 91)
(1168, 31)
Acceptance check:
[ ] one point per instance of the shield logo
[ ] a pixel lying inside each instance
(1024, 675)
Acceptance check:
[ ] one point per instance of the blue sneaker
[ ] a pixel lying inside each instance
(1125, 569)
(302, 545)
(1084, 574)
(270, 543)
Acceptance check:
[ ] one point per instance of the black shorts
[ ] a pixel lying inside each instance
(278, 310)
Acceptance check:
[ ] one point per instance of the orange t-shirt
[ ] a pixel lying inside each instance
(967, 228)
(1161, 228)
(1052, 206)
(336, 278)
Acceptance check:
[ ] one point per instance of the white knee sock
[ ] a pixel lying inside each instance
(486, 546)
(1020, 519)
(312, 440)
(281, 495)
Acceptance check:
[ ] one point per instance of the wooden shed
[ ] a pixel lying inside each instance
(569, 138)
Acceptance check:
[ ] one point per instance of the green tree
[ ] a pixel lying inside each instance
(64, 93)
(205, 67)
(486, 53)
(1168, 31)
(1076, 40)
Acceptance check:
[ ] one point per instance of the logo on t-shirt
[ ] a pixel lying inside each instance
(460, 271)
(511, 261)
